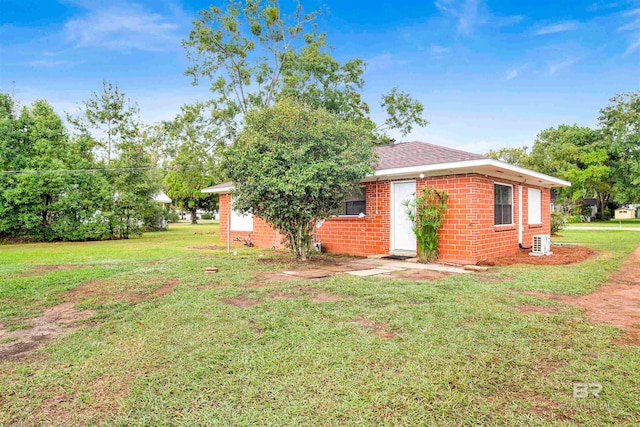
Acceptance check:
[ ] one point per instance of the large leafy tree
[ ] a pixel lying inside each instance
(293, 164)
(620, 123)
(111, 114)
(192, 169)
(112, 120)
(579, 155)
(43, 199)
(254, 53)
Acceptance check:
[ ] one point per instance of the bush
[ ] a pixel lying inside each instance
(206, 215)
(174, 216)
(557, 222)
(426, 213)
(574, 219)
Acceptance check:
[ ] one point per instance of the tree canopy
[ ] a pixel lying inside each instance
(293, 164)
(193, 166)
(254, 53)
(61, 184)
(601, 163)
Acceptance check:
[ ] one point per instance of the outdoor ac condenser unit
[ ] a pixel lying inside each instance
(541, 245)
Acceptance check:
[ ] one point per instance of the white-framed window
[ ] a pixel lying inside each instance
(535, 206)
(502, 204)
(240, 222)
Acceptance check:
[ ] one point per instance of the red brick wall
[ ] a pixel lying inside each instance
(361, 236)
(468, 234)
(262, 235)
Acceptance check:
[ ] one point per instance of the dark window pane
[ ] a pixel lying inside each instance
(356, 208)
(503, 204)
(354, 204)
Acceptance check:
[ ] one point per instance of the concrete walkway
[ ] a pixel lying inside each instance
(380, 266)
(602, 228)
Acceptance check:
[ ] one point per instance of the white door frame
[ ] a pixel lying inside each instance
(392, 213)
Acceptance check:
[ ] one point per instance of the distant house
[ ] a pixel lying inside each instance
(494, 207)
(625, 213)
(161, 197)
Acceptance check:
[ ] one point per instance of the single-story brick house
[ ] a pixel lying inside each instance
(493, 206)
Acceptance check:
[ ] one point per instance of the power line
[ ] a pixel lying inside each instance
(48, 171)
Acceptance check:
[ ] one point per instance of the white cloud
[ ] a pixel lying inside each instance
(384, 61)
(512, 74)
(466, 13)
(49, 63)
(633, 29)
(470, 14)
(554, 67)
(557, 28)
(122, 27)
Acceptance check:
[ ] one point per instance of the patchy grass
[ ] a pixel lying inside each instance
(243, 347)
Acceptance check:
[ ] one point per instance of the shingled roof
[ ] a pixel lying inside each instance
(411, 159)
(408, 154)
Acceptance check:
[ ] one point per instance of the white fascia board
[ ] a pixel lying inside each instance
(219, 190)
(470, 164)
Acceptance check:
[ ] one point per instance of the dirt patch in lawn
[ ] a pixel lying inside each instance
(241, 301)
(102, 291)
(65, 317)
(548, 310)
(318, 296)
(41, 270)
(53, 322)
(282, 295)
(419, 274)
(617, 302)
(562, 255)
(107, 395)
(325, 297)
(380, 329)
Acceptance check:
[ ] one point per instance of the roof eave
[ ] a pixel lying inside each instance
(490, 167)
(224, 190)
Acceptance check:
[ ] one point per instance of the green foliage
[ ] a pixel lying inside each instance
(512, 155)
(206, 215)
(173, 216)
(255, 54)
(193, 167)
(111, 114)
(579, 155)
(50, 204)
(620, 123)
(603, 163)
(426, 212)
(51, 195)
(574, 219)
(558, 220)
(293, 164)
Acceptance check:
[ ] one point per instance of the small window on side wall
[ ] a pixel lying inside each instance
(502, 204)
(355, 204)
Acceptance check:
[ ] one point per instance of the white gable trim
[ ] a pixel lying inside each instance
(491, 167)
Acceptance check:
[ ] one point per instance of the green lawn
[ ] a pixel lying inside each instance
(460, 351)
(631, 223)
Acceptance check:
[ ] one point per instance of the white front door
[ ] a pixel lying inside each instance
(402, 236)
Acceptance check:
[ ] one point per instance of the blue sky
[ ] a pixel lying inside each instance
(491, 74)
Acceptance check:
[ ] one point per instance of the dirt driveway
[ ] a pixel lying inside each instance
(617, 302)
